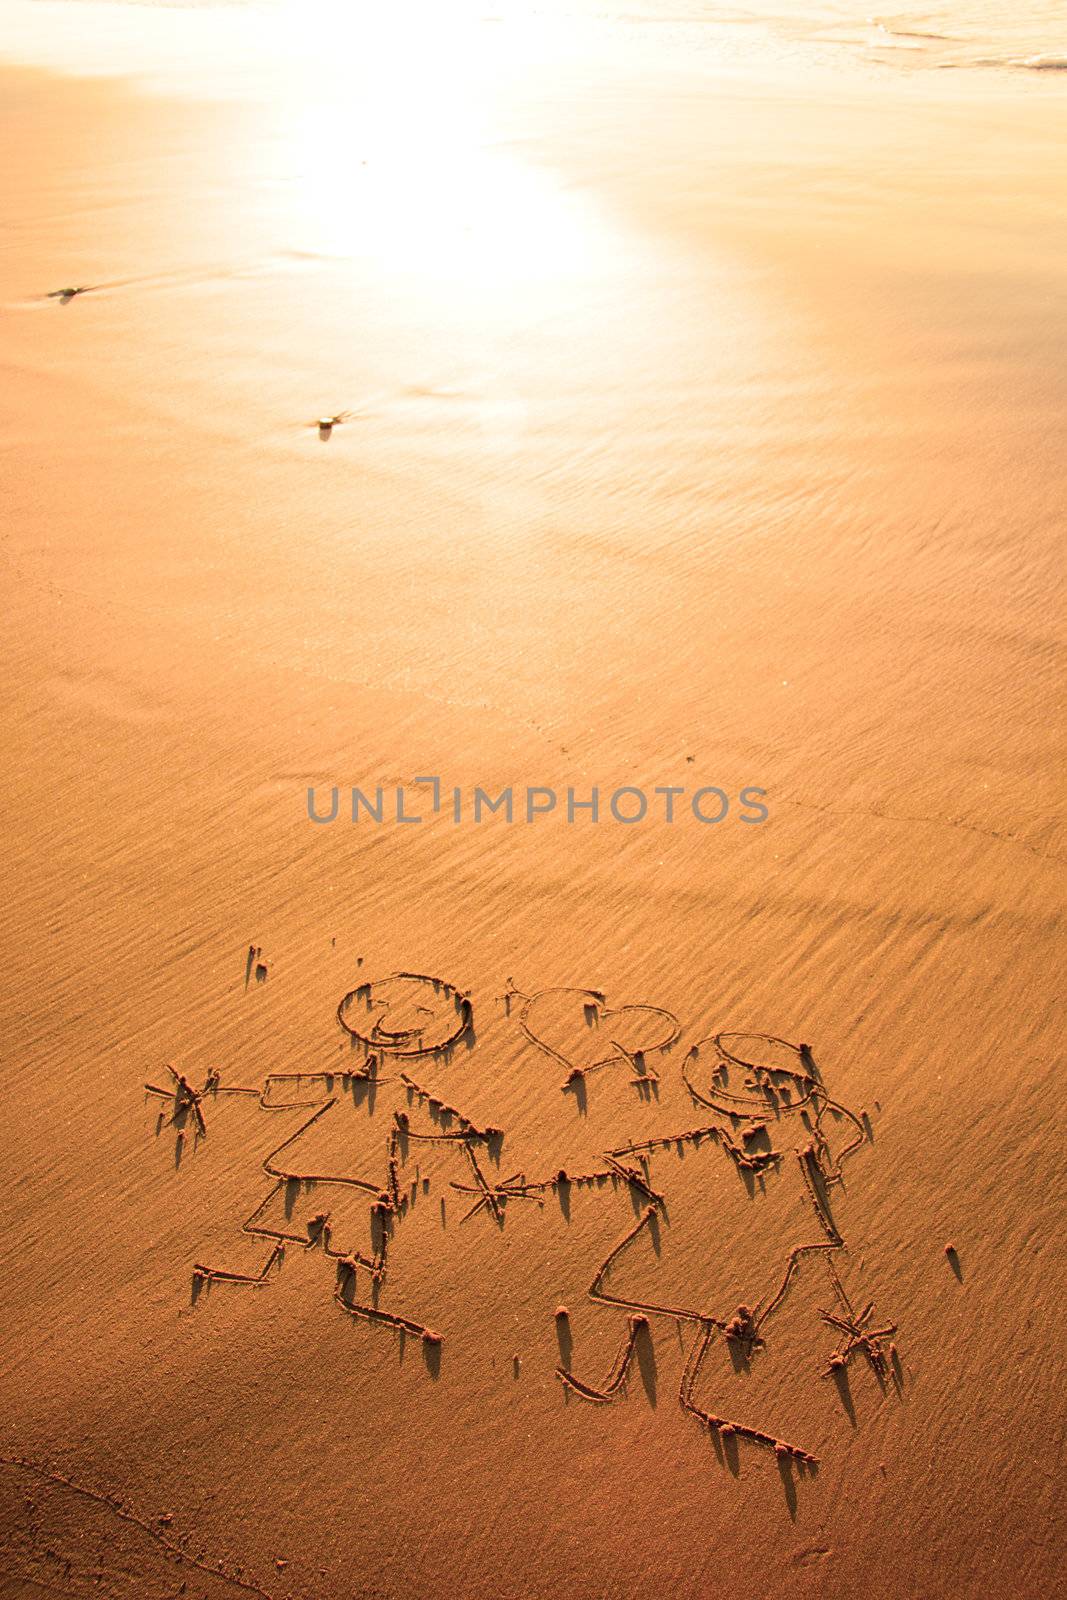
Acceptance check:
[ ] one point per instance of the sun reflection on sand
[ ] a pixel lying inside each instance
(395, 153)
(449, 207)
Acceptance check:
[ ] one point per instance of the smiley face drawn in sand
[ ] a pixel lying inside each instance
(751, 1075)
(578, 1028)
(406, 1014)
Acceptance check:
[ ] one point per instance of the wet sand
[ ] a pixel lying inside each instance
(706, 430)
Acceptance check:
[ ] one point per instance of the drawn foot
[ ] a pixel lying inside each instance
(724, 1430)
(257, 1280)
(429, 1336)
(616, 1377)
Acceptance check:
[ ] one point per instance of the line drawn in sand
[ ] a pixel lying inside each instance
(176, 1547)
(402, 1016)
(406, 1014)
(187, 1106)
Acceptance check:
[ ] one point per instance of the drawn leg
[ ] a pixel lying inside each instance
(204, 1274)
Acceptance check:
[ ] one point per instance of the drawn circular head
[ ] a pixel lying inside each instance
(751, 1075)
(406, 1014)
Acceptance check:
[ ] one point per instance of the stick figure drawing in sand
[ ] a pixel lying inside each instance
(392, 1023)
(695, 1251)
(726, 1211)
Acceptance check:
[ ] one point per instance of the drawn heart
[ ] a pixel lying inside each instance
(582, 1032)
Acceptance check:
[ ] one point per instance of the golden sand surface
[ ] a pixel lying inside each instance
(700, 407)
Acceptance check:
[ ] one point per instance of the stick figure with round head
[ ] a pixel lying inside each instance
(395, 1024)
(764, 1107)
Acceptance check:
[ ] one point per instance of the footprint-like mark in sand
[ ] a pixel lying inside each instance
(148, 1553)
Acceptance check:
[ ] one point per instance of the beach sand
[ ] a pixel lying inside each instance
(707, 405)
